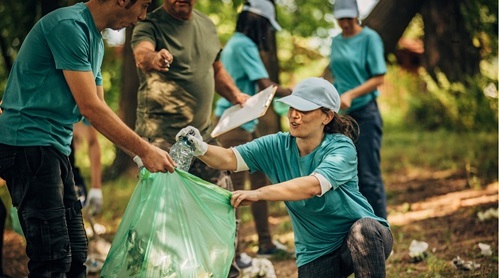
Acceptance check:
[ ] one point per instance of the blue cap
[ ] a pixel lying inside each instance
(313, 93)
(346, 9)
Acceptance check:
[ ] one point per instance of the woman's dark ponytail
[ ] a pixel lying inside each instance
(343, 124)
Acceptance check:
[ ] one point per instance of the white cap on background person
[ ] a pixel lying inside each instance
(346, 9)
(313, 93)
(263, 8)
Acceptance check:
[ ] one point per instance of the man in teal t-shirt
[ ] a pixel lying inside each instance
(55, 80)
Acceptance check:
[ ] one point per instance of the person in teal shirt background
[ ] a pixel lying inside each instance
(241, 59)
(357, 66)
(313, 168)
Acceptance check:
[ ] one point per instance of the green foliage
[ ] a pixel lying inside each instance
(223, 14)
(434, 103)
(298, 59)
(117, 194)
(419, 101)
(313, 18)
(455, 106)
(3, 80)
(415, 30)
(473, 153)
(484, 27)
(111, 74)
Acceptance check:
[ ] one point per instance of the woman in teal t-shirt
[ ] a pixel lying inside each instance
(313, 169)
(358, 67)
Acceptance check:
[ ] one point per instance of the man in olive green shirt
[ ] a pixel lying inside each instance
(177, 51)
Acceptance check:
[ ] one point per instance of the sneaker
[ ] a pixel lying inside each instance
(244, 260)
(278, 251)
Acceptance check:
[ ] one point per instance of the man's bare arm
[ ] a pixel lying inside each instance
(148, 59)
(101, 117)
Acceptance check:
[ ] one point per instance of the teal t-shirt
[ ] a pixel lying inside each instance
(38, 106)
(242, 61)
(320, 224)
(354, 60)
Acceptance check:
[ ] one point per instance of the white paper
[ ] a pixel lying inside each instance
(255, 107)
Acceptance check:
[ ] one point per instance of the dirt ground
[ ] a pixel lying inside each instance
(435, 207)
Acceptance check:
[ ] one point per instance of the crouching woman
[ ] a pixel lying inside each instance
(313, 169)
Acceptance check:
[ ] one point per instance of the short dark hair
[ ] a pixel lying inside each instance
(132, 2)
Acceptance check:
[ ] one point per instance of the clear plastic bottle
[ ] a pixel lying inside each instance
(182, 153)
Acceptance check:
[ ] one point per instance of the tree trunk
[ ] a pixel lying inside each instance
(448, 44)
(127, 106)
(390, 18)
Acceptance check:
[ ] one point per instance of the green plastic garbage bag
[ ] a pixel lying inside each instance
(13, 220)
(175, 225)
(16, 225)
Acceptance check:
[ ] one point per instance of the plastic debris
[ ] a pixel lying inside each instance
(488, 214)
(417, 251)
(98, 248)
(182, 153)
(485, 248)
(98, 228)
(461, 264)
(260, 267)
(93, 265)
(244, 260)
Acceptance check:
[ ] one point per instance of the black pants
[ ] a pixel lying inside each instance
(368, 150)
(41, 184)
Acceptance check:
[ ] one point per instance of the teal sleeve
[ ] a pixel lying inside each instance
(252, 64)
(339, 166)
(375, 56)
(69, 45)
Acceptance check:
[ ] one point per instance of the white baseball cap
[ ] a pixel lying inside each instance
(263, 8)
(346, 9)
(313, 93)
